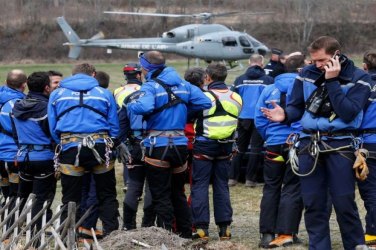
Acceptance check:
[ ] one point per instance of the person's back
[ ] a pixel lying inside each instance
(16, 82)
(249, 86)
(83, 121)
(36, 152)
(214, 128)
(164, 101)
(81, 106)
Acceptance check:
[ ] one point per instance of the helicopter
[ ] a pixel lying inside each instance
(210, 42)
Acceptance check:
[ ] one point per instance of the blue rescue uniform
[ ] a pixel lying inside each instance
(82, 118)
(249, 86)
(36, 152)
(367, 188)
(333, 172)
(166, 144)
(8, 145)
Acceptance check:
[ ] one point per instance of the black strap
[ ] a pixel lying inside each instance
(282, 100)
(81, 105)
(219, 110)
(172, 99)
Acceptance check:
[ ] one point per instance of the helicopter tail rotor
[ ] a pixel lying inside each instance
(73, 38)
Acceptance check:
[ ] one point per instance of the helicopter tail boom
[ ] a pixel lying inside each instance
(73, 38)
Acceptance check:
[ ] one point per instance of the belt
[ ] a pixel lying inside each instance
(78, 137)
(35, 147)
(166, 133)
(367, 131)
(331, 133)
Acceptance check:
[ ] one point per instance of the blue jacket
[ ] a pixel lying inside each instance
(30, 119)
(8, 147)
(249, 86)
(272, 132)
(130, 123)
(81, 119)
(348, 94)
(154, 96)
(369, 120)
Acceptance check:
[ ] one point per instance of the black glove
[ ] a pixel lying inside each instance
(123, 154)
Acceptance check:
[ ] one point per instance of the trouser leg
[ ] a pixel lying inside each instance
(367, 190)
(107, 202)
(314, 188)
(291, 204)
(342, 190)
(159, 180)
(254, 164)
(221, 193)
(181, 209)
(148, 219)
(135, 188)
(201, 174)
(273, 177)
(244, 130)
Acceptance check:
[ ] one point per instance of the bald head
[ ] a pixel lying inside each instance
(16, 79)
(256, 59)
(155, 57)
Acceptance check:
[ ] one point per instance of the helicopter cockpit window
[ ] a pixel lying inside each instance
(244, 41)
(229, 41)
(190, 33)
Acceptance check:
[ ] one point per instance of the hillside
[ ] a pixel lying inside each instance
(27, 33)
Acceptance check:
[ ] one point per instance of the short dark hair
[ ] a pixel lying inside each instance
(155, 57)
(293, 63)
(54, 73)
(329, 44)
(217, 71)
(84, 68)
(369, 59)
(37, 81)
(103, 79)
(15, 78)
(195, 76)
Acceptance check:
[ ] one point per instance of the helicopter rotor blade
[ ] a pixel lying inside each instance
(145, 14)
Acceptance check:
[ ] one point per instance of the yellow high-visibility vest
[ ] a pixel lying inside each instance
(220, 125)
(122, 92)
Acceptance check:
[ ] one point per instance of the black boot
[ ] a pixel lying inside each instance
(266, 238)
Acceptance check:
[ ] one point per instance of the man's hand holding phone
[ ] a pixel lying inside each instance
(333, 67)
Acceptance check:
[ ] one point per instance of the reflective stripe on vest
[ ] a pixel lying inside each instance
(222, 126)
(121, 93)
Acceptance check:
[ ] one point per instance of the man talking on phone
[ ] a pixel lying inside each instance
(329, 97)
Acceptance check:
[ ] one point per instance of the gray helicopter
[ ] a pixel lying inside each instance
(210, 42)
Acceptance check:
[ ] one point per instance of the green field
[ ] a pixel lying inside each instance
(115, 70)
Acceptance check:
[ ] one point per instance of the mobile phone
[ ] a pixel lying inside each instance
(341, 58)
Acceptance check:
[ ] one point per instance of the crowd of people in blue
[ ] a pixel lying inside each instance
(305, 125)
